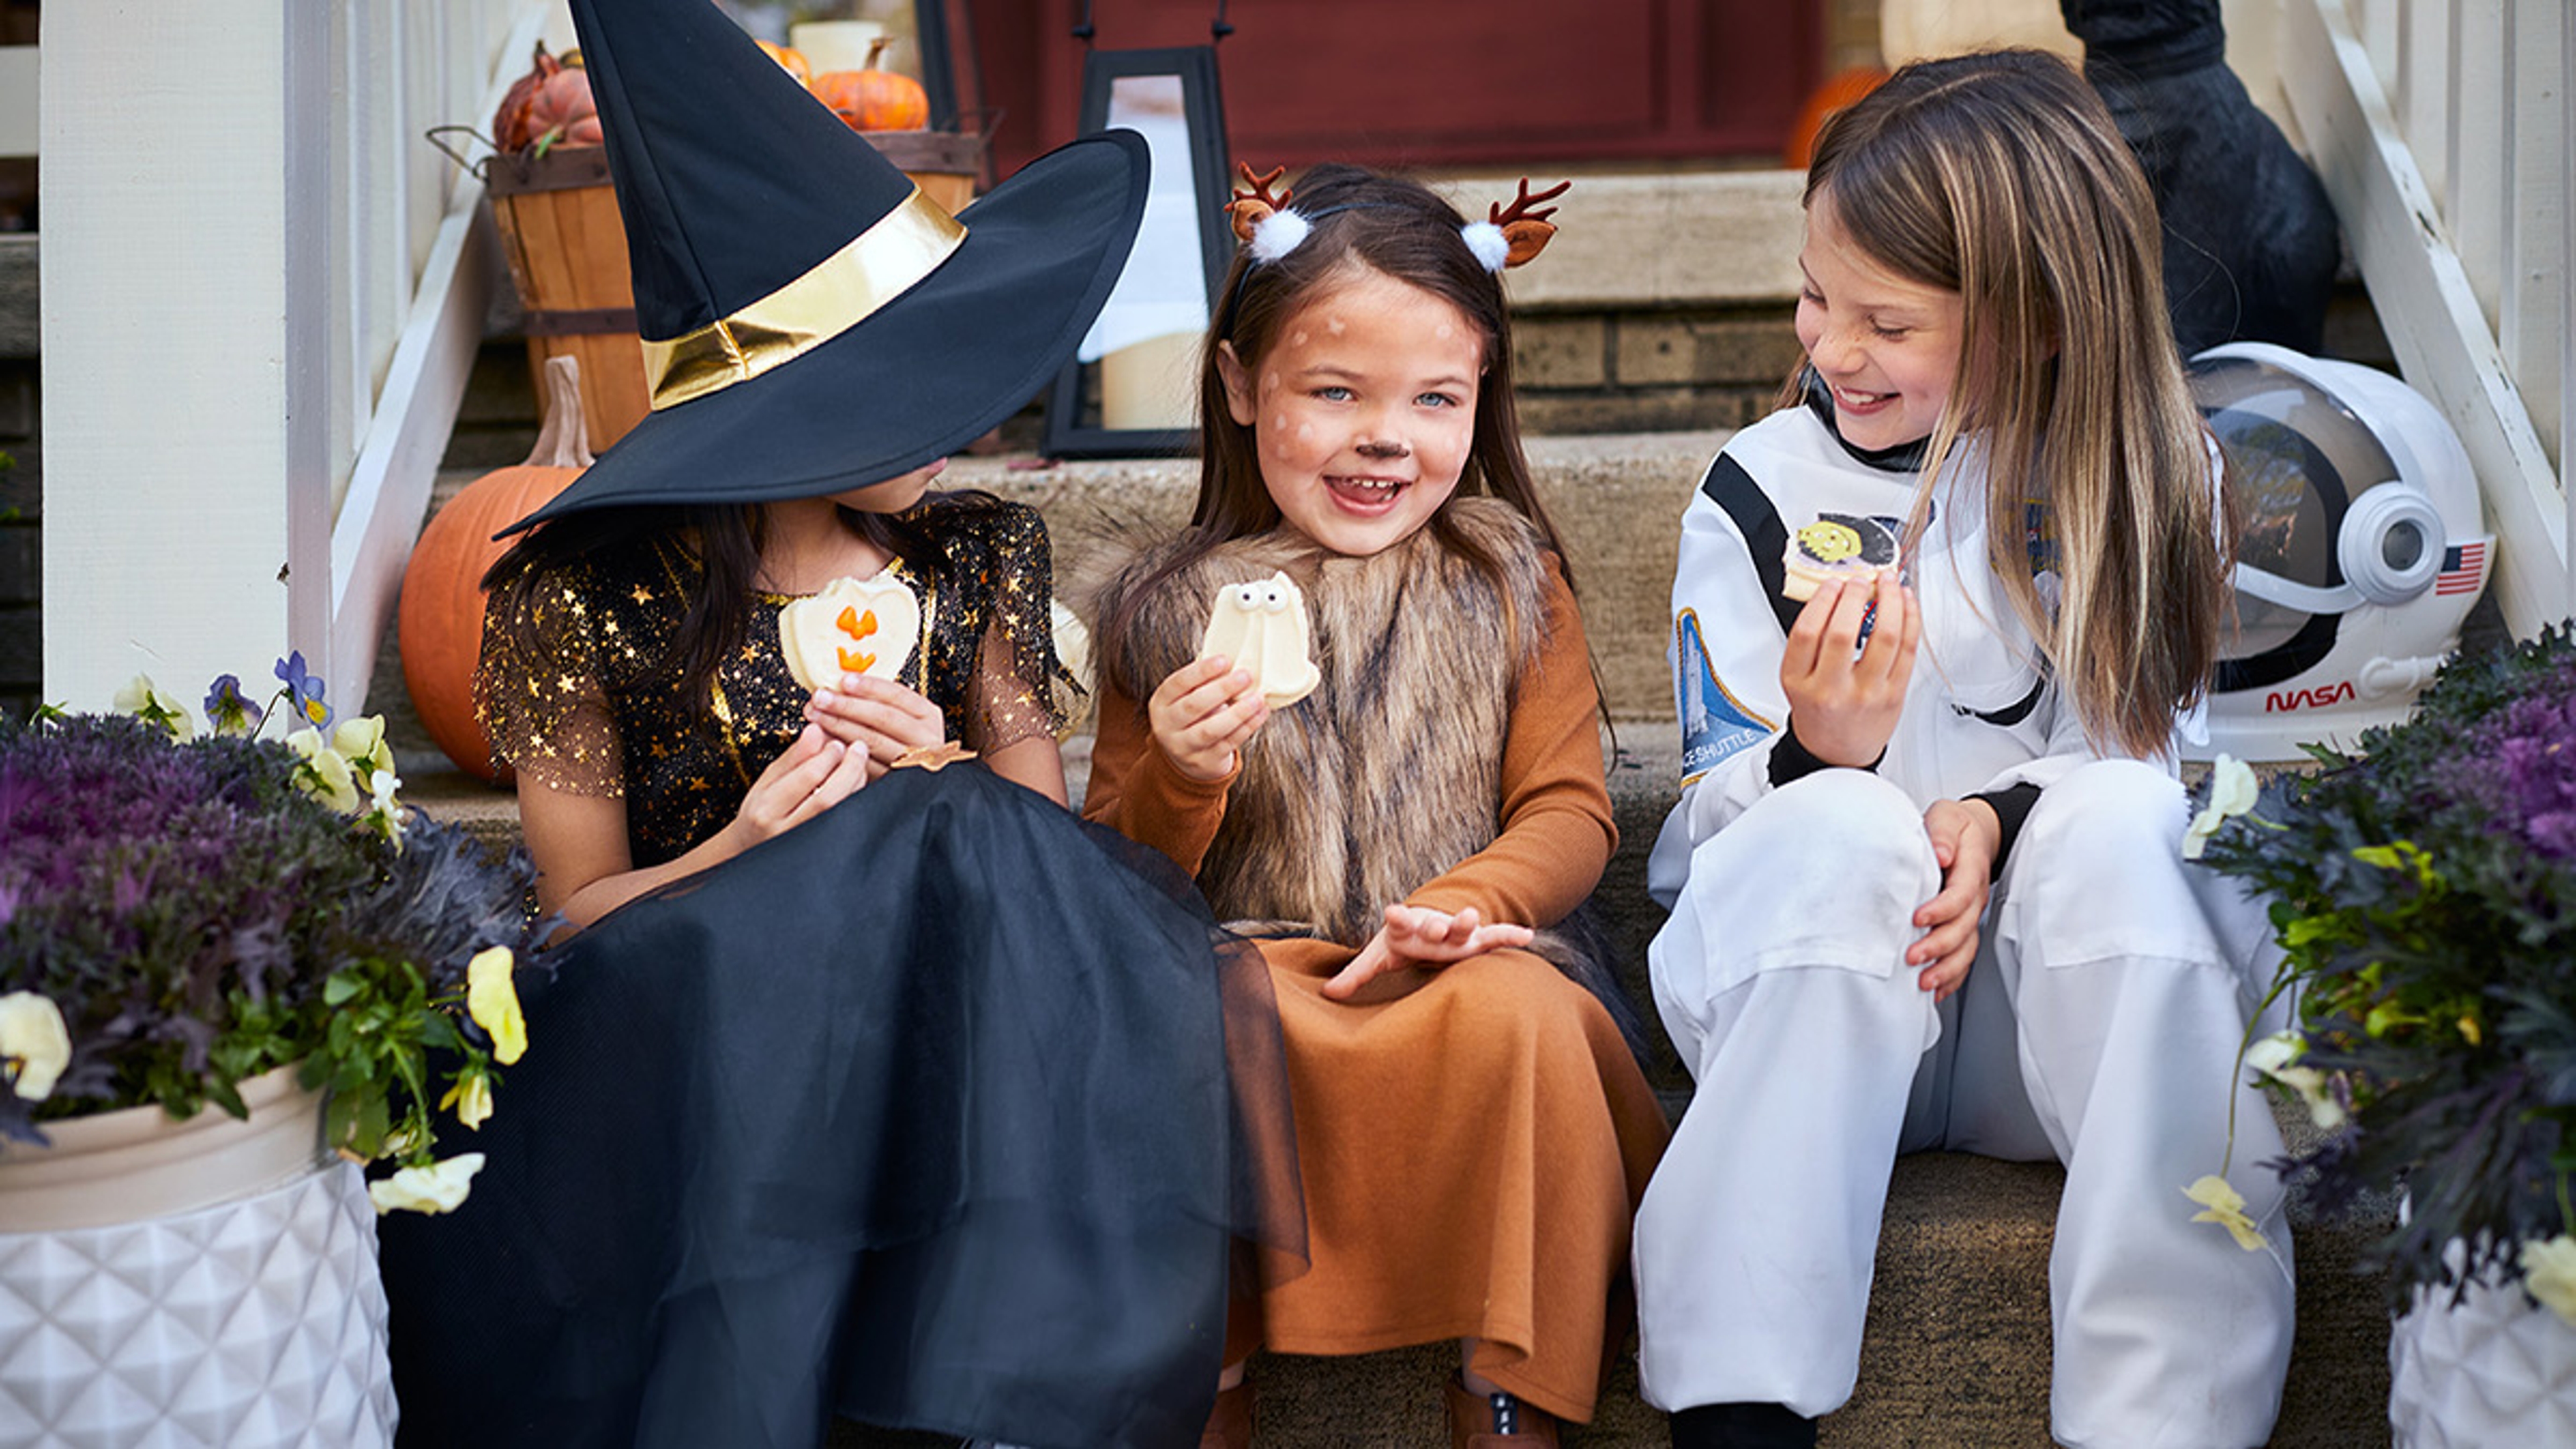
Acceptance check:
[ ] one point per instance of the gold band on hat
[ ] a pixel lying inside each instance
(879, 265)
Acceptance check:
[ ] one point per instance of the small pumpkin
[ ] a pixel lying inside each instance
(873, 99)
(563, 109)
(1840, 90)
(789, 59)
(439, 622)
(510, 126)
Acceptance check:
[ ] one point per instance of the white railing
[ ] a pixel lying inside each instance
(2442, 130)
(259, 312)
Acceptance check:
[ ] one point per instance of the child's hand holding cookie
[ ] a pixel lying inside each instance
(1203, 712)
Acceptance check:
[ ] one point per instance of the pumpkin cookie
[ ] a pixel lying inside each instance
(852, 627)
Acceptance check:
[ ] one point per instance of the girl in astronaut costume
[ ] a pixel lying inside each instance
(1890, 785)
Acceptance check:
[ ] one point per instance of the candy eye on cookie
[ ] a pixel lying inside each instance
(1261, 626)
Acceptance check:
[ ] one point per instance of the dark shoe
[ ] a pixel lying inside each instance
(1229, 1424)
(1742, 1426)
(1495, 1421)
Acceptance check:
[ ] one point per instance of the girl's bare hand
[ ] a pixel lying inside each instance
(1421, 936)
(1844, 708)
(814, 774)
(1202, 713)
(879, 717)
(1964, 834)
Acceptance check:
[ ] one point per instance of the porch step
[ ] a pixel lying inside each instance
(1956, 1353)
(1957, 1350)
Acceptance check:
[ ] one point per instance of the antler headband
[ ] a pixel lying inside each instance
(1507, 238)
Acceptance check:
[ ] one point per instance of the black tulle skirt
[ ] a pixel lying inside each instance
(943, 1110)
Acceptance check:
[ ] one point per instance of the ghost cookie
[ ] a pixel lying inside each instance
(1836, 546)
(1262, 627)
(851, 627)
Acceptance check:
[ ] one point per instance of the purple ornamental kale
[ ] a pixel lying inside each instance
(2518, 765)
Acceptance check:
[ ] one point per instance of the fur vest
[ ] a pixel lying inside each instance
(1391, 771)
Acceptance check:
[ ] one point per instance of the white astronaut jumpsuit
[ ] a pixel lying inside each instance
(2099, 1025)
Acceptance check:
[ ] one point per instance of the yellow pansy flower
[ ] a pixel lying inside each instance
(2549, 1274)
(35, 1046)
(2226, 1207)
(472, 1099)
(493, 1002)
(438, 1188)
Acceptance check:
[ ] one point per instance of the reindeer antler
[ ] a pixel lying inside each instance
(1253, 200)
(1525, 223)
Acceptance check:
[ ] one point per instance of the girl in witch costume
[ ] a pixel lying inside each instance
(862, 1086)
(1473, 1128)
(1930, 891)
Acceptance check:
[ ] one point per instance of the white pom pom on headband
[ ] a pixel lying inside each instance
(1507, 238)
(1276, 235)
(1489, 244)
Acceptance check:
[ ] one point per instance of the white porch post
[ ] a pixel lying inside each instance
(184, 299)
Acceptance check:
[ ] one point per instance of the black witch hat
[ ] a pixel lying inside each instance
(812, 323)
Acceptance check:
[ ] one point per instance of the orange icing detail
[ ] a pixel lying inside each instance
(854, 662)
(857, 625)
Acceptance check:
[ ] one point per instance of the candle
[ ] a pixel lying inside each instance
(835, 44)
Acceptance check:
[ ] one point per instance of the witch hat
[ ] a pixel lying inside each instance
(811, 322)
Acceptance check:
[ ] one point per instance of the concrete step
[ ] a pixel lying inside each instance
(1957, 1350)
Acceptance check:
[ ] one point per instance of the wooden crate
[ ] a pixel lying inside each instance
(567, 252)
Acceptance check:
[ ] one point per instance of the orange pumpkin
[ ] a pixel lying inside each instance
(873, 99)
(439, 622)
(563, 109)
(510, 124)
(791, 59)
(1838, 91)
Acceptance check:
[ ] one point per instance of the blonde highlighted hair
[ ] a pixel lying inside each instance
(2001, 177)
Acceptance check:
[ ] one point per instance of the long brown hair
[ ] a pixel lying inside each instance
(1362, 220)
(2001, 177)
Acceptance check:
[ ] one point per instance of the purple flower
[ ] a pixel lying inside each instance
(229, 711)
(2519, 765)
(303, 690)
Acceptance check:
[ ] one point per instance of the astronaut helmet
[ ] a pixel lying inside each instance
(2363, 548)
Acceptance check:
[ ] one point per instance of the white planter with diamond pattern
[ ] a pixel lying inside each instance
(206, 1282)
(2496, 1371)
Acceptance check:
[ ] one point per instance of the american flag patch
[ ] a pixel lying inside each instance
(2464, 569)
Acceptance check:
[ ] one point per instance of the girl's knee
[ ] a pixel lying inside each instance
(2109, 810)
(1849, 822)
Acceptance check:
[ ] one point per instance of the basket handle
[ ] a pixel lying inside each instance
(437, 136)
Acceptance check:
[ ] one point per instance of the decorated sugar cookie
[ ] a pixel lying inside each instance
(1261, 626)
(1836, 546)
(851, 627)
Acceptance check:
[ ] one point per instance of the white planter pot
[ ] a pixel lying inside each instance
(206, 1282)
(2496, 1371)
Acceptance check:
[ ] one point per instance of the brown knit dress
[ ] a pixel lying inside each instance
(1473, 1139)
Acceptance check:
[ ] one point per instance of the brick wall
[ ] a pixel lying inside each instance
(1660, 370)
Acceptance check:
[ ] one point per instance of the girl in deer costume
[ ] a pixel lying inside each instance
(1472, 1127)
(1888, 785)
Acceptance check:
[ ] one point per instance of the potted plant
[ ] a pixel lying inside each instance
(2424, 890)
(260, 926)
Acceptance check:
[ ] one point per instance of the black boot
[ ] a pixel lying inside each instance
(1742, 1426)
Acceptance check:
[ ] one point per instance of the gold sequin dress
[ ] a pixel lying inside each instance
(944, 1109)
(581, 710)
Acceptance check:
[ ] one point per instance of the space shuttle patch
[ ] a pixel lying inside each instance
(1715, 724)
